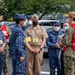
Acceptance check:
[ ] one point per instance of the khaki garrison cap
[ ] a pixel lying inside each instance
(35, 17)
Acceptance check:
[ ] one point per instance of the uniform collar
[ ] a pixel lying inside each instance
(56, 32)
(17, 25)
(37, 27)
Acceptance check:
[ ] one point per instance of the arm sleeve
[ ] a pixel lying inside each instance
(19, 44)
(45, 33)
(64, 41)
(26, 32)
(67, 40)
(4, 40)
(49, 43)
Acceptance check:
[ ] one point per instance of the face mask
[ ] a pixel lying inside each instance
(67, 20)
(30, 22)
(24, 24)
(65, 28)
(56, 28)
(35, 23)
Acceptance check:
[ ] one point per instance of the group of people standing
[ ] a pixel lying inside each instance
(26, 46)
(61, 47)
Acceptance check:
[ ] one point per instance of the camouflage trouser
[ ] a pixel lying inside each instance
(69, 65)
(1, 62)
(5, 66)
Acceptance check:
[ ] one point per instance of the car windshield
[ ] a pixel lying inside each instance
(46, 24)
(11, 25)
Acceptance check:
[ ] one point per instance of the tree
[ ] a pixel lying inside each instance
(3, 8)
(35, 6)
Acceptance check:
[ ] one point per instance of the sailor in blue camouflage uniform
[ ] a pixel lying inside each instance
(29, 21)
(17, 46)
(53, 43)
(2, 45)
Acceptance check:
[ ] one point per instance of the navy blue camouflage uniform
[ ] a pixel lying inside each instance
(27, 23)
(54, 53)
(2, 39)
(17, 49)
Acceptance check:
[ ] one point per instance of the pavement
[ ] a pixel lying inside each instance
(45, 67)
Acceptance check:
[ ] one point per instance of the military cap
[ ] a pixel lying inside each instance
(29, 16)
(19, 16)
(56, 23)
(34, 17)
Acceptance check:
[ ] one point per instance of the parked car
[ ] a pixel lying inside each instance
(11, 25)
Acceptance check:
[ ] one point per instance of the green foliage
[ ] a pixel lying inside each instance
(10, 19)
(10, 7)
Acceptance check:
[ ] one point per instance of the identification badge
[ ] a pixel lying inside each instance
(1, 42)
(28, 39)
(35, 39)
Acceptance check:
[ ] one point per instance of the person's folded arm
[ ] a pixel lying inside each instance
(49, 43)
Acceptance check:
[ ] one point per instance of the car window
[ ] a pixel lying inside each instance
(46, 23)
(11, 26)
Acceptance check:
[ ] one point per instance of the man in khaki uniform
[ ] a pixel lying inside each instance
(35, 41)
(69, 54)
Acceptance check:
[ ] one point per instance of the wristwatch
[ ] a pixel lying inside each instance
(40, 48)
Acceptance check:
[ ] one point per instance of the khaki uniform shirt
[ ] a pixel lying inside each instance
(36, 35)
(67, 41)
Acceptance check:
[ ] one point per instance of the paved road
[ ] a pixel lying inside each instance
(45, 67)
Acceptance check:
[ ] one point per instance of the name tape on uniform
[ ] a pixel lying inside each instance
(28, 39)
(35, 39)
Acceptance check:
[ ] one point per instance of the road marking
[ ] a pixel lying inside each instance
(43, 72)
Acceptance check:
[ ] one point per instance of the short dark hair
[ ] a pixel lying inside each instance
(18, 20)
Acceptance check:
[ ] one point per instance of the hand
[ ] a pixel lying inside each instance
(60, 37)
(60, 44)
(7, 41)
(21, 59)
(56, 45)
(33, 51)
(37, 51)
(1, 49)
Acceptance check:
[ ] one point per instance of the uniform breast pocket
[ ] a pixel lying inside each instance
(39, 34)
(30, 33)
